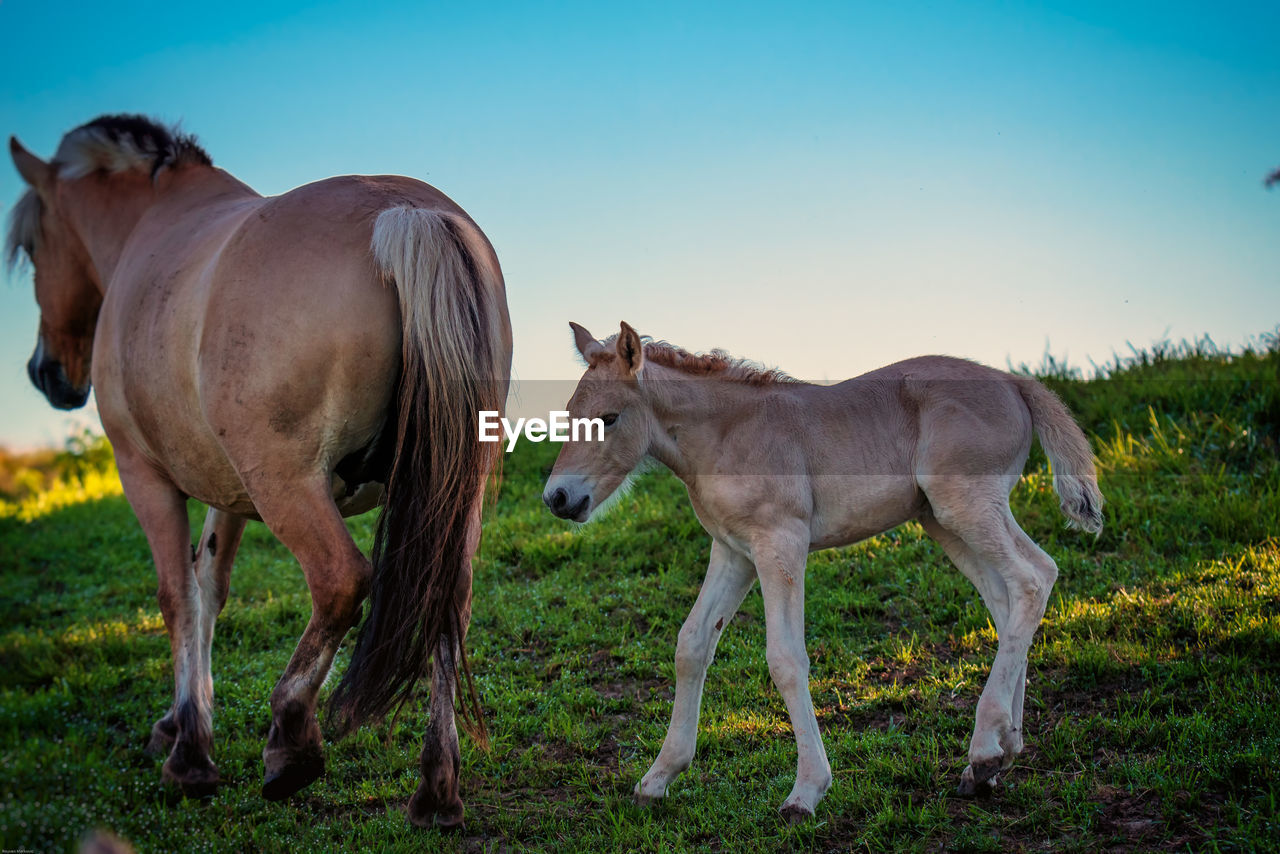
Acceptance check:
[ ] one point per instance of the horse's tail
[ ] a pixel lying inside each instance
(455, 361)
(1074, 477)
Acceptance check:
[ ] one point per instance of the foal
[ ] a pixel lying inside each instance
(777, 468)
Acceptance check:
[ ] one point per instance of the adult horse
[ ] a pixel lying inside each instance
(293, 359)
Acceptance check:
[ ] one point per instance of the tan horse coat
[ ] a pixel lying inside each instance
(776, 469)
(278, 359)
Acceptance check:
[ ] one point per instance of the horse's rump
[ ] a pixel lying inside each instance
(454, 364)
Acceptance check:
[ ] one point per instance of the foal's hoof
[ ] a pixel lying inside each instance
(649, 798)
(643, 800)
(981, 782)
(447, 817)
(795, 813)
(291, 778)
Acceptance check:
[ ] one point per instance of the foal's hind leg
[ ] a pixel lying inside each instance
(438, 800)
(305, 519)
(1014, 577)
(215, 552)
(995, 596)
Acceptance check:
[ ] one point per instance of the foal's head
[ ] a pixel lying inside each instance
(66, 291)
(587, 472)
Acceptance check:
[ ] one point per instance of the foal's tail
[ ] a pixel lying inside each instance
(1074, 477)
(455, 362)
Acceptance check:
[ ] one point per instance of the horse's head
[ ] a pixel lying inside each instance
(587, 472)
(66, 291)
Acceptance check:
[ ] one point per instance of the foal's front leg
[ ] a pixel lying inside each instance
(729, 577)
(780, 562)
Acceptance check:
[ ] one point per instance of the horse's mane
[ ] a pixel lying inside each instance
(116, 143)
(24, 228)
(717, 363)
(113, 143)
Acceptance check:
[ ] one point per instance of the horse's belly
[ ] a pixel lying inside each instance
(849, 508)
(209, 478)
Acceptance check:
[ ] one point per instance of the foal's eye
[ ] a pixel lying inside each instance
(608, 418)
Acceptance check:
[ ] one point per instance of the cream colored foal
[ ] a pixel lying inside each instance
(777, 468)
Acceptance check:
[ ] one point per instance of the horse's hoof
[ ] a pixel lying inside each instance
(193, 783)
(200, 789)
(292, 777)
(795, 813)
(647, 799)
(442, 823)
(447, 818)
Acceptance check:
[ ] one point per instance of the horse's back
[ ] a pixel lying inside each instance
(873, 438)
(272, 342)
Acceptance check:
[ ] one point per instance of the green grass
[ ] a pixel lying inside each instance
(1153, 710)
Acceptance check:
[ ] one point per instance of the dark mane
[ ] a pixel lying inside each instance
(111, 143)
(717, 363)
(123, 141)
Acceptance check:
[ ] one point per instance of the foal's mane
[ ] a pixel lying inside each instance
(717, 363)
(111, 143)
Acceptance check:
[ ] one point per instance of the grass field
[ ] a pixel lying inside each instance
(1153, 709)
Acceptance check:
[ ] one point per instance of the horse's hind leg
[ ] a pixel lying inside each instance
(305, 519)
(438, 800)
(1014, 577)
(995, 596)
(214, 554)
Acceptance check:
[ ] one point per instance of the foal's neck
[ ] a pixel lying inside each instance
(694, 413)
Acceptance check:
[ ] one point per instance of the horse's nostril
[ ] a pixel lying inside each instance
(558, 500)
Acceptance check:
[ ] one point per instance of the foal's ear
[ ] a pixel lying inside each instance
(586, 343)
(32, 169)
(630, 349)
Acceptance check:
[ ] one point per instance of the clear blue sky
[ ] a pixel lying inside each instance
(821, 187)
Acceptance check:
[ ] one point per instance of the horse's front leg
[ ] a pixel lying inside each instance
(780, 562)
(186, 732)
(215, 552)
(729, 577)
(438, 800)
(305, 519)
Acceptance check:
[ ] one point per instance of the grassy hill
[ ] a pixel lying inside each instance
(1153, 709)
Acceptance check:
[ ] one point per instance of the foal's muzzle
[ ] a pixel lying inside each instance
(559, 502)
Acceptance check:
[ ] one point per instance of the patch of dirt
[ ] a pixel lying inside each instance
(639, 690)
